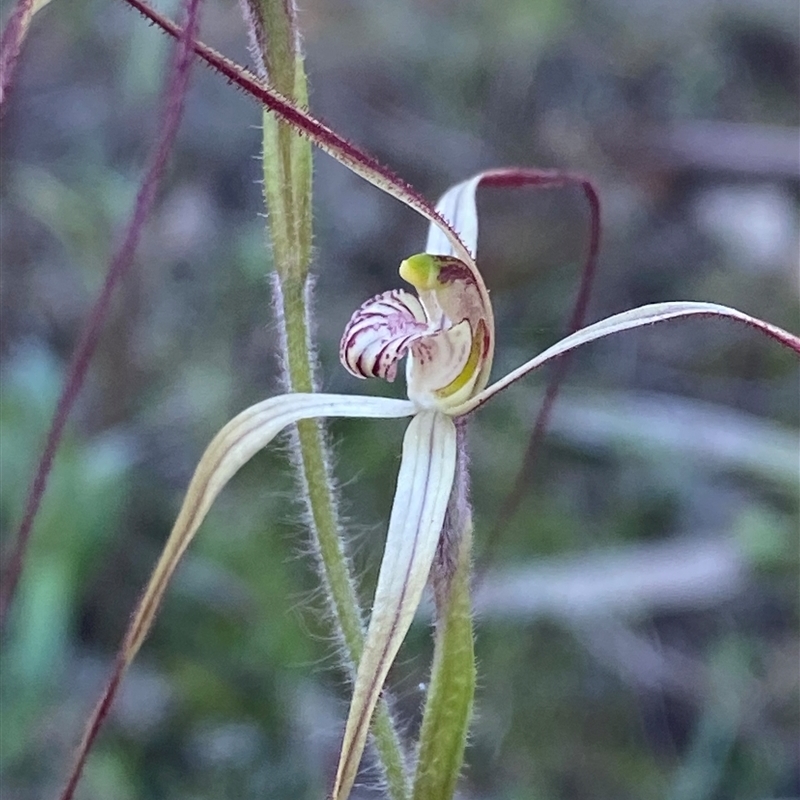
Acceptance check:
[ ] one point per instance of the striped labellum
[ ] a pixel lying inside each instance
(446, 330)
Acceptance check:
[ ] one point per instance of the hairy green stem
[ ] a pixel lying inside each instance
(334, 563)
(287, 171)
(448, 707)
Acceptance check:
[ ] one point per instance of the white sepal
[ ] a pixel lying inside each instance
(457, 205)
(635, 318)
(246, 434)
(423, 490)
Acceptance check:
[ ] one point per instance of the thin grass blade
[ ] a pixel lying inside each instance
(11, 42)
(176, 87)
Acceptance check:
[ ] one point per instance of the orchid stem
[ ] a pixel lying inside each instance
(334, 563)
(448, 708)
(287, 193)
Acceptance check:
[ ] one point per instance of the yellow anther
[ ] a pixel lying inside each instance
(421, 271)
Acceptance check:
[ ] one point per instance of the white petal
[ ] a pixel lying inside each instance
(457, 206)
(635, 318)
(230, 449)
(423, 490)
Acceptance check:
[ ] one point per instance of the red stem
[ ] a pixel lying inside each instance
(363, 164)
(176, 88)
(545, 179)
(11, 44)
(90, 336)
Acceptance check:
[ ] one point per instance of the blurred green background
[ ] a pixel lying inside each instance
(638, 618)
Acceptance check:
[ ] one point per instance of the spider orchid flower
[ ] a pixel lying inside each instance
(445, 330)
